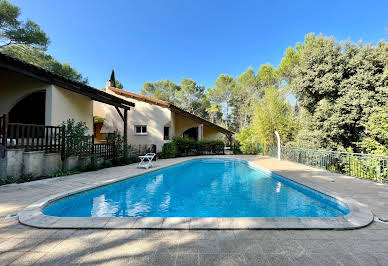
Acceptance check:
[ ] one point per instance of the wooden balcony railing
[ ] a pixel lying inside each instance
(52, 139)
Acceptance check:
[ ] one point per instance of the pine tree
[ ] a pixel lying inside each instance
(113, 79)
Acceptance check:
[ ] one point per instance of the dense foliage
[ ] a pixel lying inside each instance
(343, 88)
(27, 42)
(169, 150)
(376, 131)
(185, 146)
(341, 91)
(188, 95)
(14, 31)
(75, 134)
(39, 58)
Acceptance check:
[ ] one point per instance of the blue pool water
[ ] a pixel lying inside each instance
(201, 188)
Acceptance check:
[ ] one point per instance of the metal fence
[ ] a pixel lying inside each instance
(85, 146)
(369, 166)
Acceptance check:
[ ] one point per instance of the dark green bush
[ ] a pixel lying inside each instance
(186, 147)
(26, 178)
(236, 147)
(169, 150)
(128, 160)
(108, 164)
(117, 141)
(7, 180)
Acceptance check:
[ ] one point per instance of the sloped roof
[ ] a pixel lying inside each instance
(26, 69)
(172, 107)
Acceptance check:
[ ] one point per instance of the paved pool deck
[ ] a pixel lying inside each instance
(24, 245)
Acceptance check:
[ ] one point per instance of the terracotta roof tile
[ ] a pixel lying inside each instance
(171, 107)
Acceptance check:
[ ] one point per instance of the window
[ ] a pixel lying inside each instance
(141, 130)
(166, 133)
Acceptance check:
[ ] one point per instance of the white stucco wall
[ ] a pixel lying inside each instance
(14, 87)
(98, 109)
(62, 105)
(183, 123)
(211, 134)
(153, 116)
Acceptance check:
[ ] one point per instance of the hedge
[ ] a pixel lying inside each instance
(186, 147)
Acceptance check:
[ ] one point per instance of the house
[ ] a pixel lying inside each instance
(35, 102)
(32, 95)
(153, 121)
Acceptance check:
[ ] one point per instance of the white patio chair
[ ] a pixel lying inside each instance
(146, 160)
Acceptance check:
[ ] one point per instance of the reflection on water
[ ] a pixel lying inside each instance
(153, 185)
(199, 188)
(103, 208)
(278, 187)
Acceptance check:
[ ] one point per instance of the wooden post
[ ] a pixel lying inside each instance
(93, 151)
(5, 133)
(5, 130)
(63, 144)
(125, 133)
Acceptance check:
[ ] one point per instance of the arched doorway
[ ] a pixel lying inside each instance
(30, 110)
(191, 133)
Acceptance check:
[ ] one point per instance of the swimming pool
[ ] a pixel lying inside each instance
(201, 188)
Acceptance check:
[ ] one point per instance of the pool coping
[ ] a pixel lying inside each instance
(359, 216)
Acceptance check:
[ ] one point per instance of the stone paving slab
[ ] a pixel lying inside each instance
(359, 216)
(161, 247)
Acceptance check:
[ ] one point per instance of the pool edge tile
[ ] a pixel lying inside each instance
(358, 216)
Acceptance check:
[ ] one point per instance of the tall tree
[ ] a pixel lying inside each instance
(245, 91)
(267, 76)
(190, 94)
(37, 57)
(339, 84)
(222, 94)
(165, 90)
(215, 113)
(376, 130)
(114, 82)
(14, 31)
(274, 112)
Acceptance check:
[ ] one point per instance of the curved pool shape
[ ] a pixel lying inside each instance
(201, 188)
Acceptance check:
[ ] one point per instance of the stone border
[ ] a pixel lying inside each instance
(359, 216)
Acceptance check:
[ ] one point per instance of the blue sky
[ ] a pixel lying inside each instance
(148, 40)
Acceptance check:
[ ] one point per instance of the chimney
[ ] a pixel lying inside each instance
(108, 84)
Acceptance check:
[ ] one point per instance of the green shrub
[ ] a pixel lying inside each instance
(108, 164)
(26, 178)
(69, 172)
(185, 146)
(76, 141)
(117, 141)
(169, 150)
(247, 142)
(94, 165)
(7, 180)
(128, 160)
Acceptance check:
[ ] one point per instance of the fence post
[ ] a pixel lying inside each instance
(5, 133)
(378, 172)
(154, 150)
(92, 145)
(63, 144)
(92, 157)
(5, 129)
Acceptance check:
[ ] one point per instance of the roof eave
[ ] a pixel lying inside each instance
(45, 76)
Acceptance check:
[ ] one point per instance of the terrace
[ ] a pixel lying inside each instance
(27, 245)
